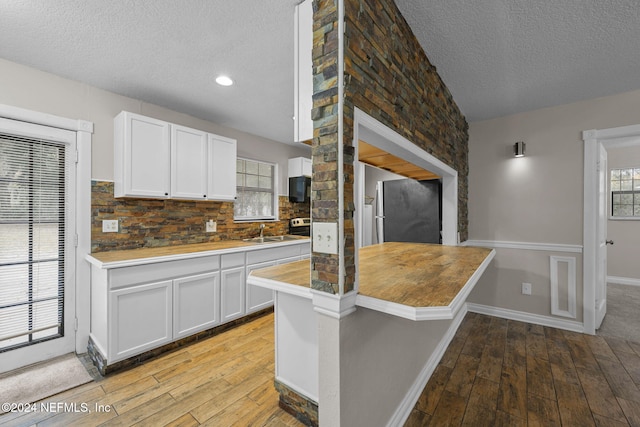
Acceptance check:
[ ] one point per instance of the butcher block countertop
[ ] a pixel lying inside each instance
(417, 281)
(114, 259)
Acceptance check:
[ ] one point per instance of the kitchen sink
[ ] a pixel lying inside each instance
(270, 239)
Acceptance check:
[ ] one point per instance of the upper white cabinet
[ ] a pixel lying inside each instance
(188, 163)
(156, 159)
(299, 166)
(303, 71)
(222, 168)
(141, 161)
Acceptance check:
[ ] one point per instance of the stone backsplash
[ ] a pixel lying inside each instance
(152, 223)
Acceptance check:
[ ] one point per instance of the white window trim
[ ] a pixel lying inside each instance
(276, 205)
(610, 203)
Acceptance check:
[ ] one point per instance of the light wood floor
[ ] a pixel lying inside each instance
(506, 373)
(226, 380)
(494, 373)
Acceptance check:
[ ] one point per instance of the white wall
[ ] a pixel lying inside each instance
(381, 356)
(622, 257)
(535, 199)
(32, 89)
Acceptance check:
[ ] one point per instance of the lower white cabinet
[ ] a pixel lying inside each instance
(258, 297)
(196, 304)
(141, 319)
(144, 305)
(232, 293)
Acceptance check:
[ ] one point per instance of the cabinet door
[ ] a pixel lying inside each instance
(196, 304)
(188, 163)
(257, 296)
(222, 168)
(140, 319)
(232, 293)
(303, 71)
(306, 167)
(141, 147)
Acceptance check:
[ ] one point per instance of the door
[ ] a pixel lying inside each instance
(257, 296)
(140, 319)
(142, 151)
(188, 163)
(232, 286)
(411, 211)
(196, 304)
(601, 266)
(222, 168)
(37, 247)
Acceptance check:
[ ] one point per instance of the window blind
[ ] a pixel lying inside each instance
(32, 240)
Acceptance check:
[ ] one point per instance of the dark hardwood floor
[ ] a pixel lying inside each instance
(500, 372)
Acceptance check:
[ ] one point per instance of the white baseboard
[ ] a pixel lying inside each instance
(403, 411)
(623, 280)
(521, 316)
(529, 246)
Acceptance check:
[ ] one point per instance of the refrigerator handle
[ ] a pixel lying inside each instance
(379, 214)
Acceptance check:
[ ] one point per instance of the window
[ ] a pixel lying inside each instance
(625, 193)
(32, 246)
(256, 191)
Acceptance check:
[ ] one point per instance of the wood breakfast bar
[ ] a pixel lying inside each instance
(401, 282)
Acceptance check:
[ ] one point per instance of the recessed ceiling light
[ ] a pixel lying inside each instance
(224, 81)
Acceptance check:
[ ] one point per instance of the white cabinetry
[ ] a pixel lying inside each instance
(299, 166)
(141, 305)
(233, 286)
(156, 159)
(188, 163)
(140, 319)
(141, 156)
(258, 297)
(303, 71)
(222, 168)
(195, 304)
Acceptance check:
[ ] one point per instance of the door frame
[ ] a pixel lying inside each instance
(82, 193)
(375, 133)
(594, 139)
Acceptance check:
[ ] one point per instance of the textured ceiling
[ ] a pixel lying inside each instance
(496, 56)
(500, 57)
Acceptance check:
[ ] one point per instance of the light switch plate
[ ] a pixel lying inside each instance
(110, 226)
(325, 237)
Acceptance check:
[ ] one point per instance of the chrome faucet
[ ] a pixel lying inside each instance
(261, 230)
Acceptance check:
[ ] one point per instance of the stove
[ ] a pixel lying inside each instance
(300, 226)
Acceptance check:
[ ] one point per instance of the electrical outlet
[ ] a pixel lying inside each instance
(325, 237)
(211, 226)
(110, 226)
(526, 288)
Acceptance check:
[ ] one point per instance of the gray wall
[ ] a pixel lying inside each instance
(26, 87)
(538, 198)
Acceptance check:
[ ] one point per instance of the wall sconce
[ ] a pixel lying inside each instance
(518, 149)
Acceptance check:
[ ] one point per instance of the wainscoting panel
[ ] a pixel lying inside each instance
(563, 286)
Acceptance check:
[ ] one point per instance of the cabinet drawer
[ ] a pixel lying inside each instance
(126, 276)
(232, 260)
(264, 255)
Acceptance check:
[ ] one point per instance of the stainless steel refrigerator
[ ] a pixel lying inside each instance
(409, 211)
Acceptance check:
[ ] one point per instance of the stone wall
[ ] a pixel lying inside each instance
(324, 186)
(389, 77)
(151, 223)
